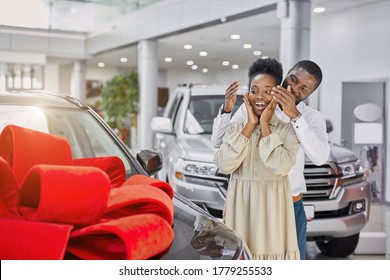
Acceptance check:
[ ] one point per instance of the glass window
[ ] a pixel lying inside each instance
(84, 133)
(201, 113)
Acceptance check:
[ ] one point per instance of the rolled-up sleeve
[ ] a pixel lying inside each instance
(233, 150)
(279, 155)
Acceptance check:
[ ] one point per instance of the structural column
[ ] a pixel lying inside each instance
(78, 80)
(295, 31)
(147, 100)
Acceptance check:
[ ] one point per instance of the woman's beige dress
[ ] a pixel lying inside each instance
(259, 203)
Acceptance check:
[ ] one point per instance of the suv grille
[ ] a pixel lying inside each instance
(320, 180)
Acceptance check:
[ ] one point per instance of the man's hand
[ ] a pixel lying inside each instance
(286, 99)
(231, 96)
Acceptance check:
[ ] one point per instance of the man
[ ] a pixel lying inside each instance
(309, 125)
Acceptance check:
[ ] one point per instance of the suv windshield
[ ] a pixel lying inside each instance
(85, 135)
(201, 113)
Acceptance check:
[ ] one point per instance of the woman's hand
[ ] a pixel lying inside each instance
(268, 112)
(252, 118)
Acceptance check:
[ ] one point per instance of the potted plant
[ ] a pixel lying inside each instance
(120, 101)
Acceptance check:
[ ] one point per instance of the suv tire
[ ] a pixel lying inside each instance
(339, 247)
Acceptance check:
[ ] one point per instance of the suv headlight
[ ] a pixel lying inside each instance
(351, 169)
(196, 168)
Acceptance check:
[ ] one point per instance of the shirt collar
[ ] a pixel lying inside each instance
(301, 106)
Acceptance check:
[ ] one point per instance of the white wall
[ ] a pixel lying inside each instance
(102, 74)
(352, 46)
(52, 76)
(223, 77)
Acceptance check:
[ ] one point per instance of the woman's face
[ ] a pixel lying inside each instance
(260, 92)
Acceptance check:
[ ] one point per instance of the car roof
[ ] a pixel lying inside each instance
(205, 90)
(40, 98)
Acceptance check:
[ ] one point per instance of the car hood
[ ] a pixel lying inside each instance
(339, 154)
(199, 236)
(198, 147)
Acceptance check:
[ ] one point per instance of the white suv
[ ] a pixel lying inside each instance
(337, 192)
(183, 137)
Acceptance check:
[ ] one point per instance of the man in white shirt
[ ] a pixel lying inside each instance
(309, 125)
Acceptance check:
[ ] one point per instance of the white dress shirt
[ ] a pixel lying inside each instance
(311, 132)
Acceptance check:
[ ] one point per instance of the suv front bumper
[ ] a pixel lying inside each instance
(335, 217)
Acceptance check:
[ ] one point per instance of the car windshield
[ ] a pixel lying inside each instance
(84, 133)
(201, 113)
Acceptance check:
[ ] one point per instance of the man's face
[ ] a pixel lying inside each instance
(302, 83)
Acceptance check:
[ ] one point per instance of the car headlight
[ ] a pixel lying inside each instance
(351, 169)
(196, 168)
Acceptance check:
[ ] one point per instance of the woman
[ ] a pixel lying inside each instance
(259, 155)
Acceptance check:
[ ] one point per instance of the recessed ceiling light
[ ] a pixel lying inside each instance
(203, 53)
(235, 36)
(74, 11)
(194, 67)
(205, 70)
(257, 53)
(225, 63)
(123, 59)
(101, 64)
(319, 10)
(168, 59)
(188, 46)
(189, 62)
(235, 66)
(247, 46)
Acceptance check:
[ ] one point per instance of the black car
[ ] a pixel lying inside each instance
(198, 235)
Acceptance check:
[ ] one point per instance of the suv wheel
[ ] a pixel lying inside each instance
(339, 247)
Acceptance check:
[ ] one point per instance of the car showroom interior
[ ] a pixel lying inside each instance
(140, 83)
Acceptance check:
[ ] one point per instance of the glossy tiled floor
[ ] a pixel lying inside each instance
(379, 222)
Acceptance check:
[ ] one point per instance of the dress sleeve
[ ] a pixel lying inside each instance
(233, 149)
(221, 123)
(279, 154)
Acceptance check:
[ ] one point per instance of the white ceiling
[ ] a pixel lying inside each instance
(262, 31)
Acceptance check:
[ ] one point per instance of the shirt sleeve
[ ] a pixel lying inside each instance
(233, 150)
(221, 123)
(313, 138)
(279, 155)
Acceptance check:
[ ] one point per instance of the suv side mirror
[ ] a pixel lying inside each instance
(150, 160)
(329, 126)
(162, 125)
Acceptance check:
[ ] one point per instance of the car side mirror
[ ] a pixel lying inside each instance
(329, 126)
(162, 125)
(150, 160)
